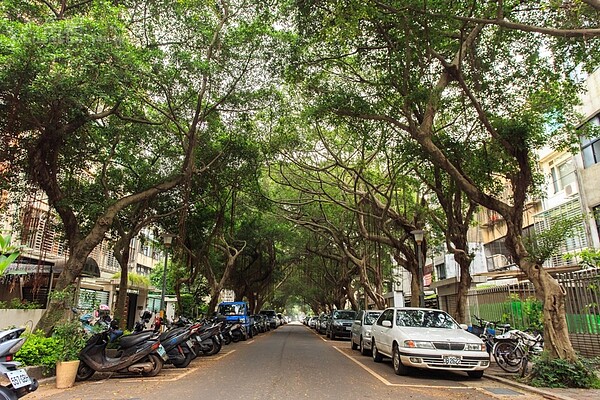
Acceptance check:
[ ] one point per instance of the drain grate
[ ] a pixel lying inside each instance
(503, 391)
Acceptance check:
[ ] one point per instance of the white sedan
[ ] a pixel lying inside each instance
(429, 339)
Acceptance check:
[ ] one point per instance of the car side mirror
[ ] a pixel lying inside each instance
(387, 324)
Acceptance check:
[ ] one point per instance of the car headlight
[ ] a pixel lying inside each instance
(337, 323)
(418, 344)
(368, 334)
(475, 347)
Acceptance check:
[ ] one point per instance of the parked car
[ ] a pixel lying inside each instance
(237, 312)
(282, 320)
(261, 322)
(322, 323)
(361, 330)
(340, 323)
(272, 318)
(429, 339)
(312, 321)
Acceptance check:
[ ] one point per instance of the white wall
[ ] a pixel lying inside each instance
(20, 318)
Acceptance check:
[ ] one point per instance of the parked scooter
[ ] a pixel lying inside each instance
(139, 353)
(20, 382)
(178, 344)
(207, 338)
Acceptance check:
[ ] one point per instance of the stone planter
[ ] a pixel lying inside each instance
(66, 371)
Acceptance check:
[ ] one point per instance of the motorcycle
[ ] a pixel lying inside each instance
(207, 339)
(178, 344)
(20, 383)
(140, 353)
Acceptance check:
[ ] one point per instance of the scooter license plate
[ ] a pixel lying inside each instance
(189, 343)
(19, 378)
(161, 352)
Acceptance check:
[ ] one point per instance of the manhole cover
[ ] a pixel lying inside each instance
(503, 391)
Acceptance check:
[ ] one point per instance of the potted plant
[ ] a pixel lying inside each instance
(70, 339)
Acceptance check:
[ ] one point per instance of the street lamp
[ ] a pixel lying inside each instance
(167, 239)
(418, 234)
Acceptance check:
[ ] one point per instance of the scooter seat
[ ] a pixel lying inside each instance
(135, 338)
(173, 332)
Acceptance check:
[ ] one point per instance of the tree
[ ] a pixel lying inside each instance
(436, 66)
(71, 113)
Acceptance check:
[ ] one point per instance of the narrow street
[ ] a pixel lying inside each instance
(292, 362)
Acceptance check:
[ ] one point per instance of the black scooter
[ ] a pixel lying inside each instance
(178, 344)
(207, 339)
(139, 353)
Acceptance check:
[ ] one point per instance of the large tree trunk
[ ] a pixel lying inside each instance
(547, 289)
(58, 310)
(461, 313)
(121, 252)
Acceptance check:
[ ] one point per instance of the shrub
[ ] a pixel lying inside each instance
(19, 304)
(38, 350)
(70, 339)
(559, 373)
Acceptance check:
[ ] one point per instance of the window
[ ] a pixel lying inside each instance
(387, 315)
(440, 271)
(563, 174)
(590, 147)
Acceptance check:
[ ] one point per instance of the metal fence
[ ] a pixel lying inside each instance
(515, 304)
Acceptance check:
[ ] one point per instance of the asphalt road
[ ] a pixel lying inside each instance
(292, 362)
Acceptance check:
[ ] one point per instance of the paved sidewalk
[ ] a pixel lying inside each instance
(496, 373)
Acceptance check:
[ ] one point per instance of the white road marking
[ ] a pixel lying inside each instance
(388, 383)
(161, 376)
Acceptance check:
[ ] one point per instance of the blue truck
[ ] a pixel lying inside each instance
(236, 311)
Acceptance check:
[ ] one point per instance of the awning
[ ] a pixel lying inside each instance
(90, 268)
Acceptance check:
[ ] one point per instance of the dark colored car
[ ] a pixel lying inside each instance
(271, 317)
(340, 323)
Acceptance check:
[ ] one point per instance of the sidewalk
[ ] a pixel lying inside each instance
(496, 373)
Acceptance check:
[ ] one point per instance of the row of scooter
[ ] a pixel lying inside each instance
(143, 352)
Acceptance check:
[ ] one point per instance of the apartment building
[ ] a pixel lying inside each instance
(31, 277)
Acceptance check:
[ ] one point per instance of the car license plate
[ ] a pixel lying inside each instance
(161, 352)
(19, 378)
(451, 360)
(348, 328)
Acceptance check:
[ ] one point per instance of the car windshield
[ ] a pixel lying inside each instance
(232, 309)
(344, 315)
(371, 317)
(425, 319)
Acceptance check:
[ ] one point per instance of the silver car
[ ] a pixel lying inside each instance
(361, 330)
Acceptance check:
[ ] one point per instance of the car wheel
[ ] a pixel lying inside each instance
(475, 374)
(352, 344)
(399, 368)
(363, 350)
(376, 356)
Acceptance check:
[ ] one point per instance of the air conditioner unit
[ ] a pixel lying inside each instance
(571, 189)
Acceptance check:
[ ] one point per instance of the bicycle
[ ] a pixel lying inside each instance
(487, 331)
(514, 348)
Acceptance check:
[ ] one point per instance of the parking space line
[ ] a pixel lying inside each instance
(388, 383)
(161, 376)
